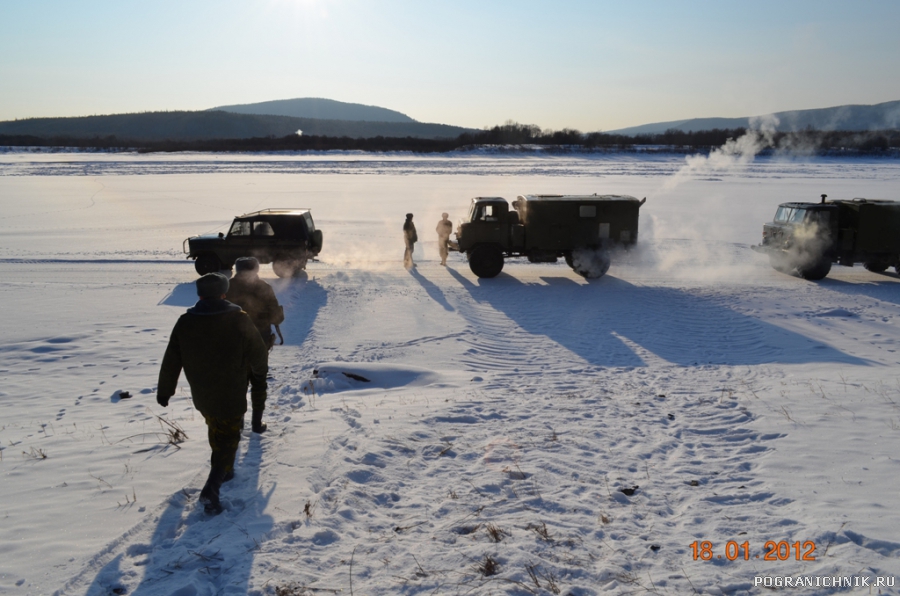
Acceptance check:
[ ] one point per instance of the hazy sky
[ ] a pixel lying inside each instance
(590, 65)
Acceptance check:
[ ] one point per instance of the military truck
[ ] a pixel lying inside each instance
(287, 238)
(542, 228)
(806, 238)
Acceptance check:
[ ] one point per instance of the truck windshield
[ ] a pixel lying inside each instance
(783, 215)
(798, 216)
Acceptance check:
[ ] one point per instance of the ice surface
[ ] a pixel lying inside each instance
(502, 417)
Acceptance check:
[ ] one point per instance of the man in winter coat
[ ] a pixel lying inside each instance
(410, 238)
(256, 297)
(444, 229)
(221, 352)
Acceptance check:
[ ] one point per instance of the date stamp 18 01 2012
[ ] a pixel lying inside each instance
(772, 551)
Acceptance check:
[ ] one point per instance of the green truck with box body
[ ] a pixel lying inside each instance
(806, 238)
(579, 228)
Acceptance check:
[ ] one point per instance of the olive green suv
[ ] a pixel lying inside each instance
(287, 238)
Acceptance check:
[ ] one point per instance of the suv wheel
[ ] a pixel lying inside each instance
(288, 267)
(207, 264)
(486, 260)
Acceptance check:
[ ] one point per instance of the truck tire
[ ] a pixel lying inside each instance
(486, 260)
(815, 271)
(285, 266)
(207, 263)
(590, 263)
(780, 262)
(877, 266)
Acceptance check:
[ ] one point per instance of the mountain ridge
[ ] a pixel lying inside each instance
(849, 117)
(318, 108)
(206, 125)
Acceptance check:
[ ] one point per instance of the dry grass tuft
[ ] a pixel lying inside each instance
(35, 453)
(542, 531)
(495, 533)
(488, 567)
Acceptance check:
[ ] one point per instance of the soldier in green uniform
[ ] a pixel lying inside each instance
(221, 353)
(409, 238)
(256, 297)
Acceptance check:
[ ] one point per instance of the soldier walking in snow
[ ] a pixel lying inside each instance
(444, 229)
(221, 353)
(410, 238)
(257, 299)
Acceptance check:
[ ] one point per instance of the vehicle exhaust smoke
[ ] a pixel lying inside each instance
(734, 154)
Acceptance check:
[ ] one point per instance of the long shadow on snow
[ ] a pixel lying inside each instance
(886, 288)
(191, 553)
(301, 298)
(607, 321)
(433, 291)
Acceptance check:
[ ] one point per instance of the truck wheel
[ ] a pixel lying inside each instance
(815, 271)
(288, 267)
(877, 266)
(207, 264)
(486, 260)
(780, 262)
(590, 263)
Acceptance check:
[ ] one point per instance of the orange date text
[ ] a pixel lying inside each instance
(772, 551)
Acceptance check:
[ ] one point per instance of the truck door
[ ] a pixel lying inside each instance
(489, 223)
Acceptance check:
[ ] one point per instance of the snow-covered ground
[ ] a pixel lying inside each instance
(578, 437)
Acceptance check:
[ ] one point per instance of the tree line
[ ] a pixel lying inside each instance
(510, 135)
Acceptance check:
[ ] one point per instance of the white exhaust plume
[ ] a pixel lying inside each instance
(735, 153)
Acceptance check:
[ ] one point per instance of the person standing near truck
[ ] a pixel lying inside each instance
(409, 238)
(444, 229)
(221, 353)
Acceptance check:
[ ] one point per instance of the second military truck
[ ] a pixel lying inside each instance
(579, 228)
(806, 238)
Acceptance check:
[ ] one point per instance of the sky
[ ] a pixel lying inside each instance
(588, 65)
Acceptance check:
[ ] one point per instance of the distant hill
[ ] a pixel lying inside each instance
(882, 116)
(320, 109)
(189, 126)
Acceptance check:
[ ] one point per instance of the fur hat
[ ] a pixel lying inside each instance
(212, 285)
(409, 216)
(246, 264)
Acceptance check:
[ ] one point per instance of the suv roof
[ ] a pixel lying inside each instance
(277, 211)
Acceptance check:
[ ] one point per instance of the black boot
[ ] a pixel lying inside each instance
(257, 425)
(209, 496)
(228, 476)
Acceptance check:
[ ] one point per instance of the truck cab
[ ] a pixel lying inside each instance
(806, 238)
(486, 222)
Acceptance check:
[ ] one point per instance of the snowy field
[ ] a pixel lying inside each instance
(528, 434)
